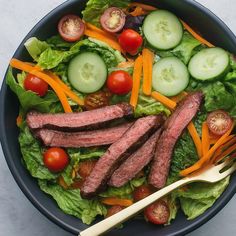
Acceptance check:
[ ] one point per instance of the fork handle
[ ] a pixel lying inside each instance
(110, 222)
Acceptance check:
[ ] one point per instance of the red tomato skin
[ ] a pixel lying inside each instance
(36, 85)
(130, 41)
(141, 192)
(113, 210)
(71, 28)
(55, 159)
(157, 213)
(120, 82)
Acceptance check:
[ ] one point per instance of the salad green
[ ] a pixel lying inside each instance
(55, 55)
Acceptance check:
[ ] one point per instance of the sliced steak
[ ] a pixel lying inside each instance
(53, 138)
(79, 121)
(135, 163)
(174, 127)
(139, 132)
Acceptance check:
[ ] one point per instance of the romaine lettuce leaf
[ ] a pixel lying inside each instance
(71, 202)
(30, 100)
(200, 196)
(95, 8)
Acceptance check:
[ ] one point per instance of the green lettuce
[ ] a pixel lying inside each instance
(200, 196)
(30, 100)
(32, 155)
(51, 58)
(95, 8)
(71, 202)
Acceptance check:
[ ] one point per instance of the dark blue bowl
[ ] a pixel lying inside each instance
(197, 16)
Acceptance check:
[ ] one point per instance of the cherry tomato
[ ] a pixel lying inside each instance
(71, 28)
(55, 159)
(113, 20)
(36, 85)
(219, 122)
(119, 82)
(113, 210)
(141, 192)
(86, 167)
(96, 100)
(157, 213)
(130, 41)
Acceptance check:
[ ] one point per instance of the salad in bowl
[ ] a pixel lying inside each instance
(117, 106)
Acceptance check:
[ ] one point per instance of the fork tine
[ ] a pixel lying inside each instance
(223, 164)
(229, 171)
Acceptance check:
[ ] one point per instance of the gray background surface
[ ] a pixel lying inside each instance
(17, 215)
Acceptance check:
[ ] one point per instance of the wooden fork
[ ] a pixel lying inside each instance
(210, 174)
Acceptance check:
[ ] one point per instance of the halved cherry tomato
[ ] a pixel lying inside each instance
(113, 20)
(71, 28)
(119, 82)
(86, 167)
(141, 192)
(130, 41)
(219, 122)
(35, 84)
(157, 213)
(55, 159)
(96, 100)
(113, 210)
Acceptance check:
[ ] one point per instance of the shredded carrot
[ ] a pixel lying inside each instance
(179, 97)
(111, 42)
(196, 139)
(208, 156)
(66, 89)
(138, 65)
(138, 11)
(230, 140)
(30, 69)
(62, 182)
(205, 139)
(112, 201)
(164, 100)
(145, 7)
(19, 120)
(148, 57)
(126, 64)
(196, 35)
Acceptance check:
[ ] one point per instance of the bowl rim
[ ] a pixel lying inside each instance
(24, 188)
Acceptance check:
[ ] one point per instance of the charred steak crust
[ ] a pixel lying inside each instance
(136, 162)
(87, 120)
(174, 128)
(53, 138)
(134, 137)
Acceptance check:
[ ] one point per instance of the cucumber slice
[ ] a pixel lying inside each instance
(209, 64)
(87, 72)
(162, 29)
(170, 76)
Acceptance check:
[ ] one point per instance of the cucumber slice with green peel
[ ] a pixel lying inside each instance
(87, 72)
(162, 29)
(170, 76)
(209, 64)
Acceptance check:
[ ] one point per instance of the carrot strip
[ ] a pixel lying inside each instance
(205, 138)
(226, 153)
(66, 89)
(196, 35)
(138, 65)
(111, 42)
(19, 120)
(112, 201)
(138, 11)
(179, 97)
(30, 69)
(164, 100)
(208, 156)
(62, 182)
(148, 57)
(196, 139)
(145, 7)
(126, 64)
